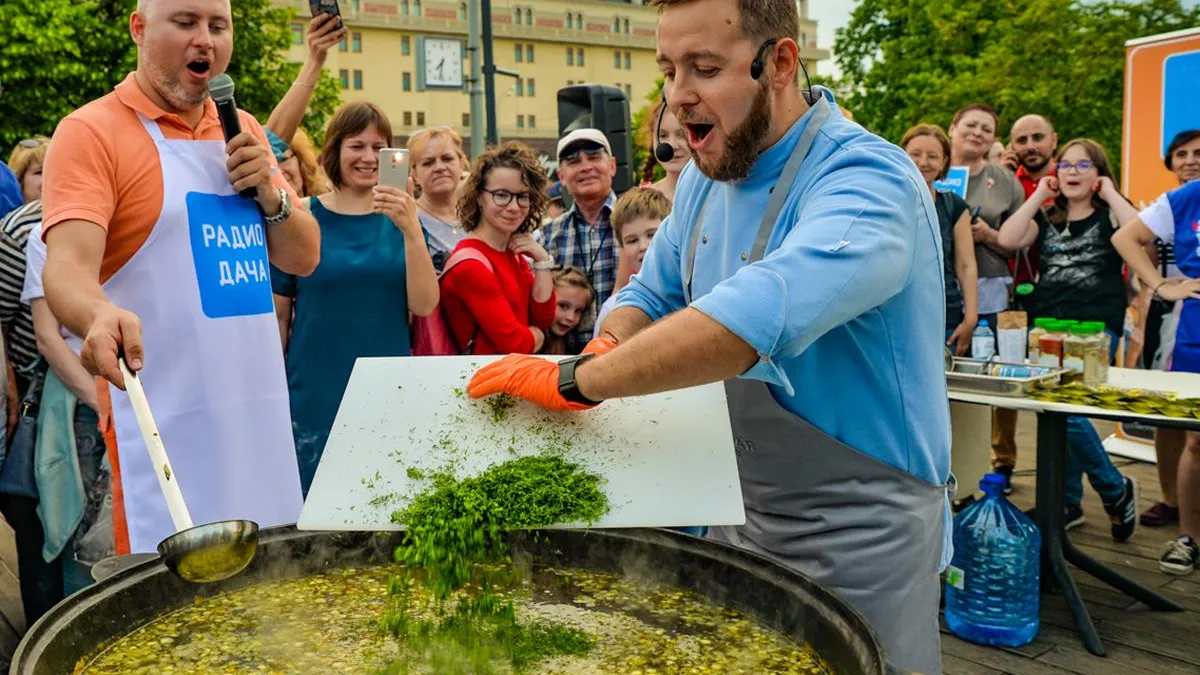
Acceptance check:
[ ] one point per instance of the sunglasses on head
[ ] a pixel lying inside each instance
(31, 143)
(574, 155)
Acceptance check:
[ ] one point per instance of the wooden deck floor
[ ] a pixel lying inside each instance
(1139, 642)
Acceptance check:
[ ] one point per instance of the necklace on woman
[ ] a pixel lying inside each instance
(452, 226)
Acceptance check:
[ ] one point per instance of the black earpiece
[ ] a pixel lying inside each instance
(758, 65)
(663, 152)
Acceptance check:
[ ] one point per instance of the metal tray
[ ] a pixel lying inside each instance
(966, 375)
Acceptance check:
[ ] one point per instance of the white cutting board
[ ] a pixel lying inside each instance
(668, 458)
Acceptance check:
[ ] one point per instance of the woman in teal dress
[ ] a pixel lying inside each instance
(375, 269)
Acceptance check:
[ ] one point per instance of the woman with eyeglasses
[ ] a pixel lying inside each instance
(26, 164)
(1080, 277)
(374, 271)
(437, 159)
(498, 285)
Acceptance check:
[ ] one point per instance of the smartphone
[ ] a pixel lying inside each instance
(330, 7)
(393, 167)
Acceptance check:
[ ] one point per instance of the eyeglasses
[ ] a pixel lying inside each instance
(1078, 166)
(504, 197)
(31, 143)
(572, 157)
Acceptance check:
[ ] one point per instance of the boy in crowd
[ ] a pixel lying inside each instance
(635, 218)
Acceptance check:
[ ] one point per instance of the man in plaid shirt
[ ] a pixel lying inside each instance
(582, 237)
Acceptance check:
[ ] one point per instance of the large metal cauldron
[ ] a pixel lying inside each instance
(775, 595)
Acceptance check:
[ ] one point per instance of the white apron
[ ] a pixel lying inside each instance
(213, 368)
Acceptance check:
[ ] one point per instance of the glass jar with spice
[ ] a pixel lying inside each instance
(1050, 345)
(1074, 351)
(1035, 334)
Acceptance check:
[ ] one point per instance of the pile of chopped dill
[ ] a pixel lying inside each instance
(456, 545)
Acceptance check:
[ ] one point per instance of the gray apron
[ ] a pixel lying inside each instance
(868, 531)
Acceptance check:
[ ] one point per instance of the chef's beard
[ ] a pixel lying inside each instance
(744, 144)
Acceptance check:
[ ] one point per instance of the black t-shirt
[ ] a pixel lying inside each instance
(1080, 271)
(950, 208)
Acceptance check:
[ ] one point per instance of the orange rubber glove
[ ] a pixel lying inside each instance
(600, 346)
(528, 377)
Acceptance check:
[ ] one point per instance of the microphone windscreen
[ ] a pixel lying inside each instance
(221, 87)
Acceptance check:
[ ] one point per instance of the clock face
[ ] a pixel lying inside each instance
(443, 63)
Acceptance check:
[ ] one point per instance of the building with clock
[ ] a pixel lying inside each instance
(410, 57)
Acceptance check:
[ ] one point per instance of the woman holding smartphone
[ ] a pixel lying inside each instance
(498, 286)
(375, 269)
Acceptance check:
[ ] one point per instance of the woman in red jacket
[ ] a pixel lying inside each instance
(505, 305)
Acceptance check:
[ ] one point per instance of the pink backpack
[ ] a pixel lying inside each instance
(431, 334)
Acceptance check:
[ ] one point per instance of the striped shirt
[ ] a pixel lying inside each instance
(591, 247)
(15, 316)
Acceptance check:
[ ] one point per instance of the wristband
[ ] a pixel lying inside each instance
(544, 265)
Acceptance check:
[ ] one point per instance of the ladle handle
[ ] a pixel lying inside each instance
(158, 454)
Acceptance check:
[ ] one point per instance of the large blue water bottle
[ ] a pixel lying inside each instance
(993, 583)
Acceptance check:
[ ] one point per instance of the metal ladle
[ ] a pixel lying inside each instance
(199, 554)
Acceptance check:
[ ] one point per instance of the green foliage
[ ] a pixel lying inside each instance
(643, 141)
(60, 54)
(910, 61)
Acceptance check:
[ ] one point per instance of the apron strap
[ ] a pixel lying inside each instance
(151, 128)
(820, 113)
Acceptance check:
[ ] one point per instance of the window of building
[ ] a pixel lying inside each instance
(627, 26)
(616, 59)
(529, 87)
(517, 15)
(407, 118)
(528, 16)
(297, 34)
(628, 61)
(617, 25)
(579, 61)
(466, 119)
(532, 122)
(629, 91)
(356, 43)
(518, 53)
(344, 45)
(354, 7)
(578, 21)
(520, 87)
(406, 81)
(420, 119)
(462, 12)
(358, 79)
(405, 45)
(520, 121)
(570, 83)
(529, 53)
(404, 7)
(570, 21)
(570, 56)
(417, 7)
(344, 76)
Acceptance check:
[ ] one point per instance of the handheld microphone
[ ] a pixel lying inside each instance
(221, 90)
(663, 152)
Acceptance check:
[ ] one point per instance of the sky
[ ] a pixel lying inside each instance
(833, 14)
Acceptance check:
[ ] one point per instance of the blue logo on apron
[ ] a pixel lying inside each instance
(229, 248)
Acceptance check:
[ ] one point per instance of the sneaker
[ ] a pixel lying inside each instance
(1180, 557)
(1074, 516)
(1159, 515)
(1123, 512)
(1007, 472)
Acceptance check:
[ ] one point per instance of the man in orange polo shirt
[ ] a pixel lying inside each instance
(152, 251)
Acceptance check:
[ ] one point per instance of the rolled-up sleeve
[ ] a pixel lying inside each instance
(657, 289)
(850, 251)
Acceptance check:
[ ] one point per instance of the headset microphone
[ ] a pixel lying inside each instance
(663, 152)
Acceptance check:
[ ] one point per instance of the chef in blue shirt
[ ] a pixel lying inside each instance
(802, 266)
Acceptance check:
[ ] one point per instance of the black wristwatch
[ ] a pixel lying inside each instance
(567, 386)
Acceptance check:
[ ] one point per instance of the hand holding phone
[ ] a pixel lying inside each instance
(330, 7)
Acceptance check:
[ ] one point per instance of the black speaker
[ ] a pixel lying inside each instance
(598, 106)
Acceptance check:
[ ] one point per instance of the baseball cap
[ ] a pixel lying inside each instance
(555, 191)
(580, 136)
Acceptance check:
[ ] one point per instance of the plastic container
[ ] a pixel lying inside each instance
(1035, 333)
(983, 342)
(993, 590)
(1075, 347)
(1050, 345)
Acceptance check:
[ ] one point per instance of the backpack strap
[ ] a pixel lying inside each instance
(462, 255)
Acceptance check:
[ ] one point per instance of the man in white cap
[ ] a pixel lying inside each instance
(582, 237)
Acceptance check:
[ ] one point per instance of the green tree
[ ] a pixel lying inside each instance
(60, 54)
(643, 132)
(910, 61)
